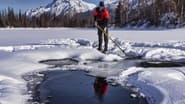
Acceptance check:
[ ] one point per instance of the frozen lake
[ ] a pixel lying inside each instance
(161, 78)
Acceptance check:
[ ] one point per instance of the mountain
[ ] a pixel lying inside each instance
(111, 4)
(62, 7)
(130, 12)
(71, 7)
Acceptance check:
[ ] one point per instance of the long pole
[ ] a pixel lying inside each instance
(111, 39)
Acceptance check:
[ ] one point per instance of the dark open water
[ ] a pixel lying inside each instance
(76, 87)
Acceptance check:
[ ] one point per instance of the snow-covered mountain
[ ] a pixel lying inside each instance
(112, 4)
(136, 10)
(70, 7)
(62, 7)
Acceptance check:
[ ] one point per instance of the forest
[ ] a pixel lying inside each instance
(166, 13)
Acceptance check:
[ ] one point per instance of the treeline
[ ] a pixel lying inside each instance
(151, 12)
(166, 13)
(8, 18)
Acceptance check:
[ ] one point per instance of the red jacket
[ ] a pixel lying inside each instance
(101, 17)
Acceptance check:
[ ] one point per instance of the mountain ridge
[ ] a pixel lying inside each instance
(62, 7)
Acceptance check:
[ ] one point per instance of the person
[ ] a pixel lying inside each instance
(101, 18)
(100, 87)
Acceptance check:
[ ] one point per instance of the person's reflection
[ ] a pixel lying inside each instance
(100, 87)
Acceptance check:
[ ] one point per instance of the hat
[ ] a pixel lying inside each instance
(101, 4)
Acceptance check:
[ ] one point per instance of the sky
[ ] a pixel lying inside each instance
(24, 5)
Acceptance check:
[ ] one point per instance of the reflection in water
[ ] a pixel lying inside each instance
(100, 87)
(72, 87)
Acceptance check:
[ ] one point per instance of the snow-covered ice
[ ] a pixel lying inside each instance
(22, 49)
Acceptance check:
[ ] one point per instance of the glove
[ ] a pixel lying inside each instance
(95, 23)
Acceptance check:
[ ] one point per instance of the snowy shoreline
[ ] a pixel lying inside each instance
(24, 36)
(20, 55)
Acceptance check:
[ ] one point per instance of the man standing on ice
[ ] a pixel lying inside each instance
(101, 18)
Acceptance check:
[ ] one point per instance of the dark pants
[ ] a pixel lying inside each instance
(101, 35)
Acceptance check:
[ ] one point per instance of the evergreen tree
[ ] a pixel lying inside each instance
(118, 14)
(1, 21)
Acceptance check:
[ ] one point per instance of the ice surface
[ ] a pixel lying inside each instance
(22, 49)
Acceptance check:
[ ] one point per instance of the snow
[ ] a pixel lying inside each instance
(166, 88)
(168, 19)
(21, 50)
(62, 7)
(21, 36)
